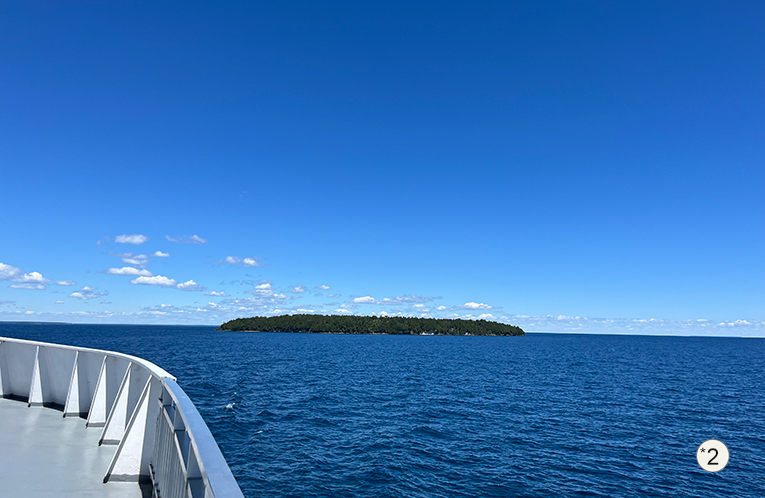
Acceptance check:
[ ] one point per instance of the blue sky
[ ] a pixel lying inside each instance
(558, 165)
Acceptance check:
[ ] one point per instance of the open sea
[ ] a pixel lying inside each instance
(324, 415)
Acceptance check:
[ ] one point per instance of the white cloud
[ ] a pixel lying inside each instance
(64, 282)
(129, 271)
(364, 300)
(8, 272)
(216, 294)
(406, 299)
(157, 280)
(191, 286)
(59, 302)
(31, 277)
(246, 262)
(303, 310)
(87, 293)
(333, 295)
(474, 306)
(486, 316)
(187, 239)
(135, 239)
(323, 287)
(27, 286)
(441, 308)
(643, 326)
(230, 308)
(392, 300)
(265, 300)
(132, 259)
(736, 323)
(105, 302)
(192, 315)
(264, 289)
(138, 261)
(261, 303)
(298, 289)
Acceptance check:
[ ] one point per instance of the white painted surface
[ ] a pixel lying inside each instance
(88, 370)
(126, 462)
(153, 422)
(35, 390)
(97, 413)
(3, 389)
(56, 371)
(72, 405)
(43, 455)
(118, 416)
(20, 362)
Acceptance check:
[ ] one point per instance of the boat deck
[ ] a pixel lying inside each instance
(43, 454)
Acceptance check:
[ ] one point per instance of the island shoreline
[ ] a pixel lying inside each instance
(371, 325)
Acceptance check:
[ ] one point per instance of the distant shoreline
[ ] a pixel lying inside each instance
(373, 325)
(35, 323)
(369, 333)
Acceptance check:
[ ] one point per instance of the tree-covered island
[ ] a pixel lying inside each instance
(343, 324)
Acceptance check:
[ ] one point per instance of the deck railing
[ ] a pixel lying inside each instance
(158, 432)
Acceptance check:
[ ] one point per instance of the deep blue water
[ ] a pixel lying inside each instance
(541, 415)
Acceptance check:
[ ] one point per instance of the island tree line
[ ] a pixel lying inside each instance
(343, 324)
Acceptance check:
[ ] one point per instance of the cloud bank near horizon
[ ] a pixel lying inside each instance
(268, 303)
(262, 297)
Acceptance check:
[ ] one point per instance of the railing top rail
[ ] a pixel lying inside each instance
(213, 465)
(151, 367)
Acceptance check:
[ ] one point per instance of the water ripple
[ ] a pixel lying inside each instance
(395, 416)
